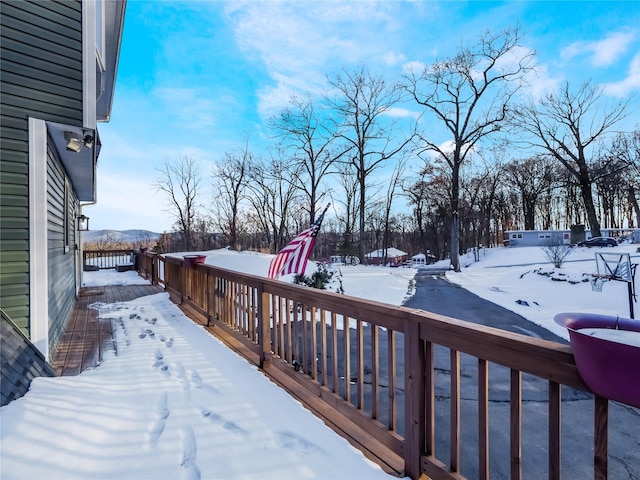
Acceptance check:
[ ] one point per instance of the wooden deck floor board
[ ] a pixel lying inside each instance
(87, 338)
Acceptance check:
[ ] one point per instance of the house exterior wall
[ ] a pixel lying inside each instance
(41, 77)
(62, 208)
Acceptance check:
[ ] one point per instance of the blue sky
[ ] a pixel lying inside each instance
(197, 78)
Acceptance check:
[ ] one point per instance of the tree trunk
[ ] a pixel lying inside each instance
(592, 217)
(361, 239)
(634, 203)
(454, 248)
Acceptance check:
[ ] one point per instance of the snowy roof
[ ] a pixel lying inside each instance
(419, 256)
(391, 253)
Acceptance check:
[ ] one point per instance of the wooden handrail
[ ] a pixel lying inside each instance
(339, 355)
(106, 259)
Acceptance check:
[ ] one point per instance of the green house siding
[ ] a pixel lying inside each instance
(40, 77)
(62, 206)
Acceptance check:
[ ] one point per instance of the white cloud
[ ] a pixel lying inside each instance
(299, 43)
(539, 82)
(392, 58)
(397, 112)
(514, 58)
(632, 81)
(603, 52)
(414, 67)
(188, 106)
(447, 147)
(126, 202)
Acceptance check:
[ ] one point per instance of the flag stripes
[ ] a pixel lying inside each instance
(293, 257)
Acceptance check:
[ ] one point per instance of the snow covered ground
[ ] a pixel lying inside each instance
(175, 403)
(506, 275)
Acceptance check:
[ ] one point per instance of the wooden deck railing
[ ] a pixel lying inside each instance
(105, 259)
(385, 376)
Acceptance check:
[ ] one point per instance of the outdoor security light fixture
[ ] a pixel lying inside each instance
(88, 141)
(83, 223)
(73, 142)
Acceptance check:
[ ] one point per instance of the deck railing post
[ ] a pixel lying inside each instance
(181, 281)
(264, 327)
(601, 429)
(414, 403)
(154, 269)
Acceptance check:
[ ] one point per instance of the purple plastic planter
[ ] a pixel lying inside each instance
(611, 369)
(190, 261)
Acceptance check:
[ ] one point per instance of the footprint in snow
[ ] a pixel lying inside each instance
(219, 420)
(190, 470)
(160, 414)
(196, 382)
(157, 359)
(291, 441)
(161, 366)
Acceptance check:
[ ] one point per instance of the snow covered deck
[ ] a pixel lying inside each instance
(86, 338)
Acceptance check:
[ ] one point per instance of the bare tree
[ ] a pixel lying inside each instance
(230, 186)
(144, 239)
(428, 196)
(105, 241)
(566, 125)
(273, 198)
(349, 212)
(626, 148)
(415, 193)
(361, 100)
(478, 194)
(180, 181)
(556, 250)
(396, 180)
(312, 144)
(532, 177)
(469, 95)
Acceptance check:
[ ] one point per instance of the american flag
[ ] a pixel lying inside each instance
(293, 257)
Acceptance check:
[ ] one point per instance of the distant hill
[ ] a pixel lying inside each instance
(124, 236)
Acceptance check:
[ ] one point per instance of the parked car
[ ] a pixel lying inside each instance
(599, 242)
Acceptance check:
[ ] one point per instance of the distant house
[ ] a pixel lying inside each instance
(422, 259)
(536, 238)
(394, 257)
(59, 61)
(540, 238)
(344, 259)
